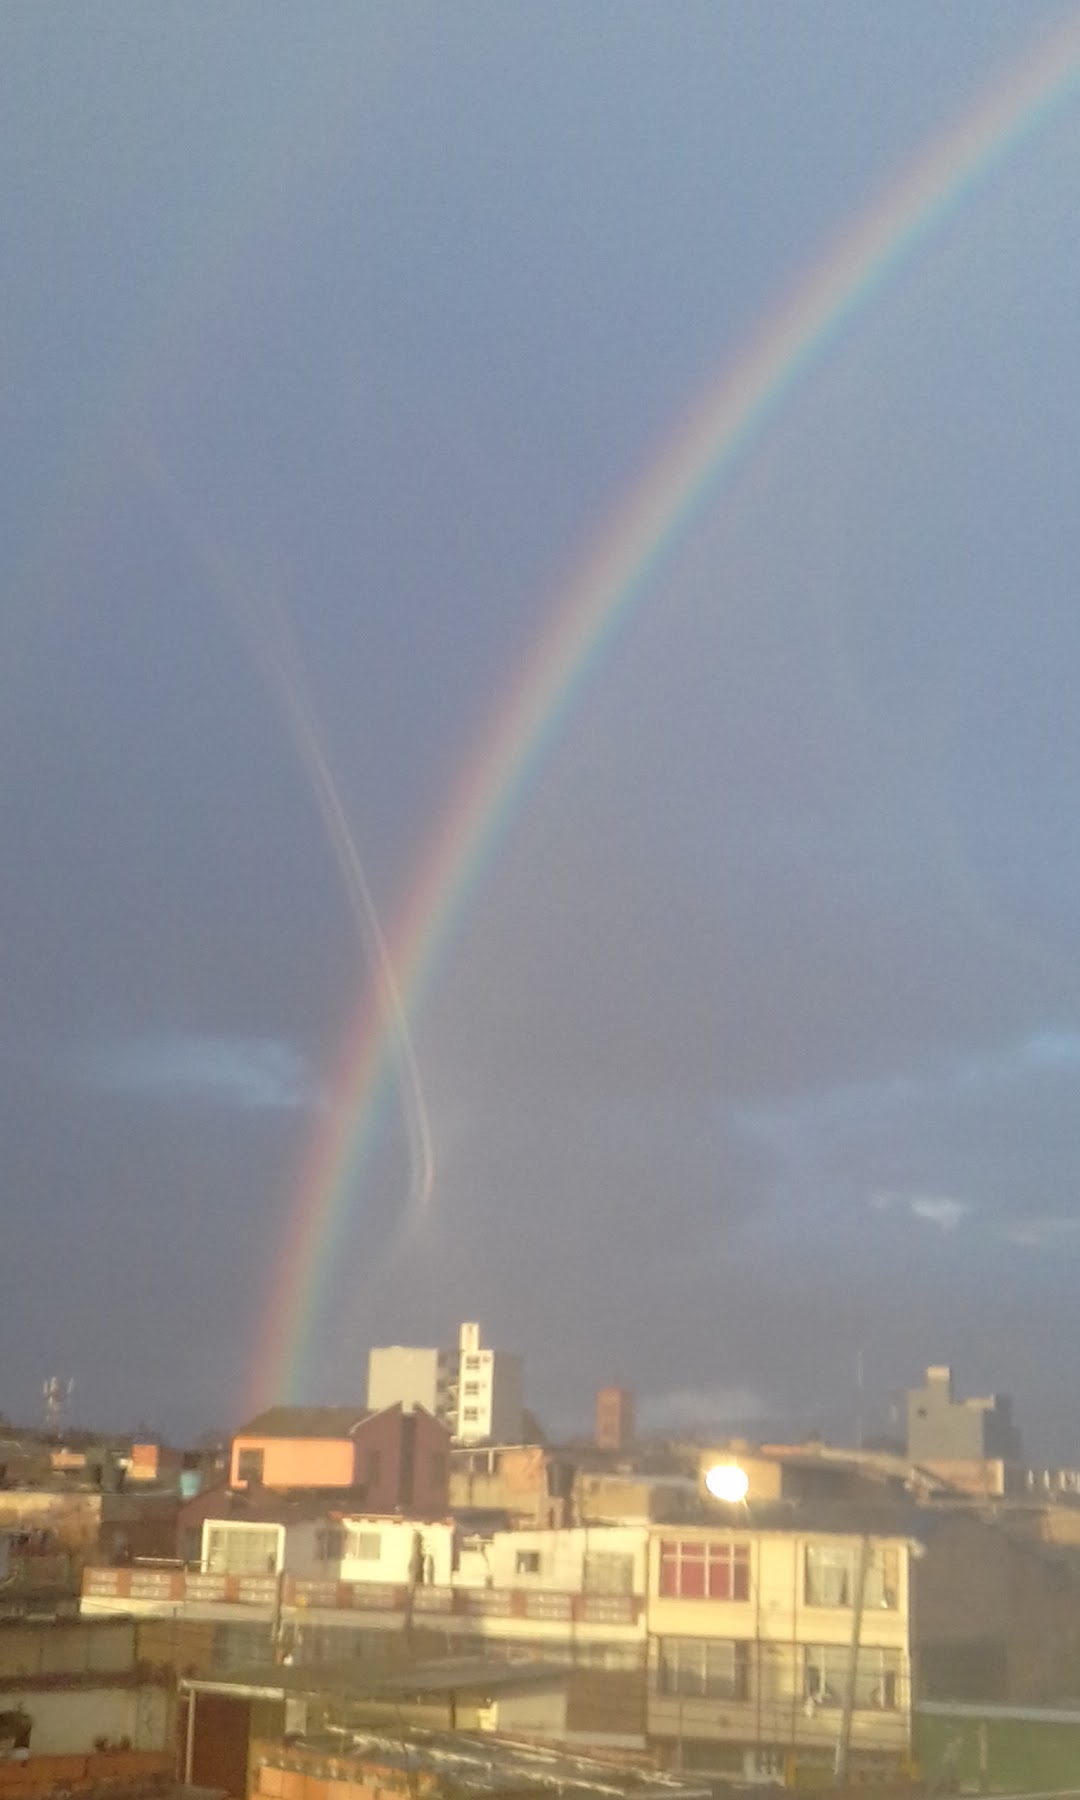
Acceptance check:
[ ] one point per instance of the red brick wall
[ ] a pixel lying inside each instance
(431, 1465)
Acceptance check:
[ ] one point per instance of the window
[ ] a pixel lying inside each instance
(249, 1465)
(329, 1543)
(877, 1676)
(608, 1572)
(365, 1546)
(527, 1562)
(242, 1550)
(832, 1576)
(705, 1668)
(692, 1569)
(372, 1467)
(470, 1362)
(471, 1387)
(471, 1412)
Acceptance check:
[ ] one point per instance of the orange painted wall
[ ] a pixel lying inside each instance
(300, 1462)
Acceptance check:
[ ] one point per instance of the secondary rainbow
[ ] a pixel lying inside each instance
(598, 600)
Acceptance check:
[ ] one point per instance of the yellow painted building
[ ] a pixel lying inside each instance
(767, 1644)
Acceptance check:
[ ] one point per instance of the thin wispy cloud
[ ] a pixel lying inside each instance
(940, 1210)
(248, 1073)
(1045, 1233)
(833, 1108)
(701, 1406)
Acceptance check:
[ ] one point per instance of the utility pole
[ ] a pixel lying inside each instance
(858, 1600)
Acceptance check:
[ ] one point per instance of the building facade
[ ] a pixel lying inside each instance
(942, 1430)
(738, 1649)
(766, 1644)
(404, 1375)
(614, 1418)
(390, 1460)
(474, 1390)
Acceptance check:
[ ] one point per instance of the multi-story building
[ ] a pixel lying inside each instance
(407, 1375)
(745, 1645)
(489, 1393)
(475, 1391)
(388, 1460)
(770, 1643)
(614, 1418)
(972, 1443)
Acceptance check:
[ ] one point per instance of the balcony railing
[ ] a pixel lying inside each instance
(194, 1588)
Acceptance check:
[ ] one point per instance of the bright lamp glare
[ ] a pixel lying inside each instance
(727, 1482)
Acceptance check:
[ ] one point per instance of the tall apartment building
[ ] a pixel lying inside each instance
(476, 1392)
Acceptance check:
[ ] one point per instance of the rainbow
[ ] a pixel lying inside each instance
(613, 577)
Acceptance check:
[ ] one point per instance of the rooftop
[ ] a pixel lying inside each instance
(381, 1679)
(305, 1422)
(484, 1764)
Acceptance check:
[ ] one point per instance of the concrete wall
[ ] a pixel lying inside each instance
(600, 1498)
(614, 1418)
(996, 1616)
(561, 1556)
(74, 1517)
(425, 1482)
(534, 1712)
(514, 1480)
(507, 1388)
(298, 1462)
(77, 1646)
(489, 1398)
(941, 1429)
(67, 1720)
(398, 1543)
(400, 1375)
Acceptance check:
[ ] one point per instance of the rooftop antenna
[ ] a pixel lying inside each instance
(56, 1392)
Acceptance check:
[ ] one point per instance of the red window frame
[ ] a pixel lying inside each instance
(697, 1569)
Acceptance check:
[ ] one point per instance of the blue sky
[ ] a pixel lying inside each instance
(757, 1047)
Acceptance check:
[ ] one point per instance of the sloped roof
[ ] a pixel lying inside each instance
(304, 1422)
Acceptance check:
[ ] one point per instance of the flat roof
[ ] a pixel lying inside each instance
(486, 1763)
(373, 1680)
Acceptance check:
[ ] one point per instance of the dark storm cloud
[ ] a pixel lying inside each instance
(756, 1045)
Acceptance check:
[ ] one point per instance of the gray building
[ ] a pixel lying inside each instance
(476, 1392)
(941, 1429)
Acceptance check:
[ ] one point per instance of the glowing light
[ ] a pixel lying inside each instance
(726, 1481)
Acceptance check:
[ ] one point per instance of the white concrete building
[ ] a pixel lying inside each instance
(476, 1392)
(400, 1551)
(410, 1376)
(583, 1559)
(489, 1393)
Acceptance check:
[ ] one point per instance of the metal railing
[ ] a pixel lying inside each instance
(183, 1587)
